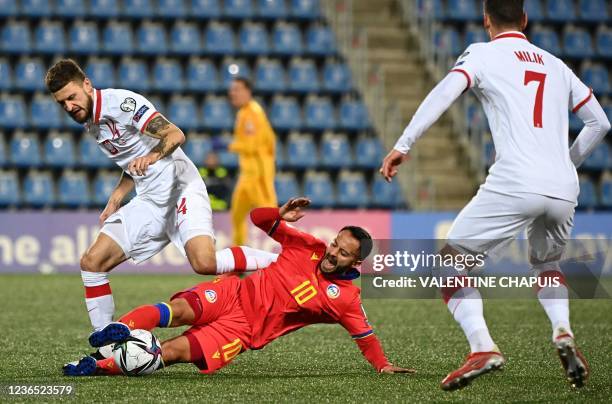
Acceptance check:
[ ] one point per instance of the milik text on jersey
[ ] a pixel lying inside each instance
(529, 57)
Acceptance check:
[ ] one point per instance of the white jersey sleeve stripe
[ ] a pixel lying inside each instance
(467, 76)
(144, 125)
(581, 103)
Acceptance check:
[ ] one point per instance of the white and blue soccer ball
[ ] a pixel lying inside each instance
(139, 355)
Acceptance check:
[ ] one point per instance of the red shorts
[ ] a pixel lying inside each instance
(220, 331)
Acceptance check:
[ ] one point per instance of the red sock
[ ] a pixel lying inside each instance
(142, 318)
(108, 367)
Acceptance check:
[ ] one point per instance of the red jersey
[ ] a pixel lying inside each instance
(293, 292)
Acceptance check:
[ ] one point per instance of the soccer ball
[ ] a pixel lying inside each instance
(139, 355)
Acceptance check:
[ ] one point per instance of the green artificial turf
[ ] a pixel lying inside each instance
(43, 323)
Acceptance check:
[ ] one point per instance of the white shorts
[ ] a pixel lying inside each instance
(142, 228)
(490, 220)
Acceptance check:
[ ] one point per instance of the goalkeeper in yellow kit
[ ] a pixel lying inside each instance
(255, 144)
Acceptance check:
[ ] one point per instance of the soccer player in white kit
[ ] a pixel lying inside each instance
(525, 92)
(171, 202)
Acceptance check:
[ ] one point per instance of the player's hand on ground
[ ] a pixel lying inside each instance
(138, 166)
(390, 164)
(396, 369)
(111, 207)
(292, 210)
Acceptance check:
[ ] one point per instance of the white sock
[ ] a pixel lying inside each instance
(242, 258)
(555, 301)
(98, 298)
(466, 307)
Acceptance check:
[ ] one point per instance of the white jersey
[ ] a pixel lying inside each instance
(526, 92)
(119, 118)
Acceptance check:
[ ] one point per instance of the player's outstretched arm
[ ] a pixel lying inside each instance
(596, 126)
(432, 107)
(124, 187)
(170, 138)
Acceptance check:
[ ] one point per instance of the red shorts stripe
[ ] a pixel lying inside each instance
(97, 291)
(240, 261)
(193, 300)
(197, 356)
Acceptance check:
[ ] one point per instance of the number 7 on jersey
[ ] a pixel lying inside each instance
(539, 100)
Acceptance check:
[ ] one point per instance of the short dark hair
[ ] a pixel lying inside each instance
(62, 73)
(504, 12)
(247, 83)
(365, 240)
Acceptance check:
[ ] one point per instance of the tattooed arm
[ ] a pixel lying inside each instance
(170, 137)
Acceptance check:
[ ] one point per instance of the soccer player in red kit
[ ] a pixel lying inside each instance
(309, 283)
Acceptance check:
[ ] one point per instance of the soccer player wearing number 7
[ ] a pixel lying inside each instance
(525, 92)
(309, 283)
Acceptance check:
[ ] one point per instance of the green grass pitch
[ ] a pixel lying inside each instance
(44, 324)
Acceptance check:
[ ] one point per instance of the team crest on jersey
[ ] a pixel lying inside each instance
(333, 291)
(128, 105)
(210, 295)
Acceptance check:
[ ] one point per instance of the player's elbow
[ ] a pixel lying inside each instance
(204, 264)
(179, 136)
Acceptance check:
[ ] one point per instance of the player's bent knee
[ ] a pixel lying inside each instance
(182, 313)
(90, 264)
(176, 350)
